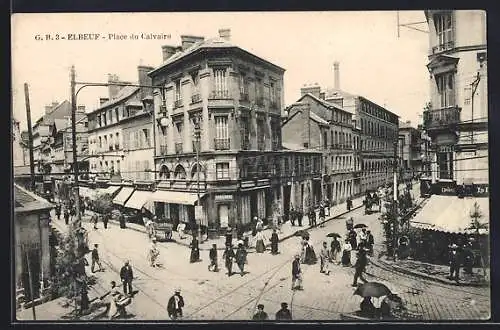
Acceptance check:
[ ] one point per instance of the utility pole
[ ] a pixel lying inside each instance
(73, 136)
(395, 200)
(197, 137)
(30, 136)
(474, 86)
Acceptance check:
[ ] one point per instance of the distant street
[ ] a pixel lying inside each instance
(211, 295)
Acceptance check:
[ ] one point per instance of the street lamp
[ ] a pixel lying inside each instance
(197, 137)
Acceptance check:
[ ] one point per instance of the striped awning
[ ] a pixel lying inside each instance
(175, 197)
(138, 199)
(123, 195)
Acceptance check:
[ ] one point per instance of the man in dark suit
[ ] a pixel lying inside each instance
(455, 261)
(260, 315)
(175, 305)
(296, 273)
(127, 276)
(360, 265)
(284, 313)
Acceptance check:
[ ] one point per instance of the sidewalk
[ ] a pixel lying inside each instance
(287, 230)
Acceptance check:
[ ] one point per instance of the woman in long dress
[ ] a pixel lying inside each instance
(260, 247)
(346, 254)
(310, 254)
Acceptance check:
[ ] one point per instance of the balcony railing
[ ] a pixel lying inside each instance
(442, 47)
(178, 103)
(178, 147)
(163, 150)
(219, 95)
(259, 100)
(438, 118)
(195, 98)
(243, 96)
(221, 144)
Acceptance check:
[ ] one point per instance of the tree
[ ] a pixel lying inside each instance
(103, 203)
(476, 226)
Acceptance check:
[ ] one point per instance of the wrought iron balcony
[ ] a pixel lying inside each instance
(178, 147)
(219, 95)
(243, 96)
(441, 118)
(178, 103)
(222, 144)
(195, 98)
(443, 47)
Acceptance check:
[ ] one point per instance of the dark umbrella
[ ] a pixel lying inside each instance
(360, 225)
(333, 235)
(372, 289)
(301, 233)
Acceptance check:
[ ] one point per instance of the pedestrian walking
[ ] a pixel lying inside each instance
(370, 242)
(284, 313)
(213, 266)
(334, 250)
(229, 236)
(95, 259)
(105, 220)
(353, 239)
(312, 217)
(455, 261)
(310, 256)
(468, 258)
(296, 273)
(127, 275)
(228, 257)
(72, 212)
(66, 216)
(260, 247)
(94, 218)
(175, 305)
(322, 215)
(153, 254)
(116, 302)
(274, 242)
(300, 217)
(58, 211)
(360, 266)
(327, 206)
(241, 258)
(121, 219)
(259, 225)
(349, 204)
(346, 254)
(260, 315)
(195, 250)
(362, 236)
(323, 257)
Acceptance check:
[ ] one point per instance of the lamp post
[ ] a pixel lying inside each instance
(197, 137)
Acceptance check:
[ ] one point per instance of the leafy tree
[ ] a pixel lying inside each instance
(103, 203)
(476, 225)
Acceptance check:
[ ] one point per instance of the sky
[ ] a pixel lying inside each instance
(374, 62)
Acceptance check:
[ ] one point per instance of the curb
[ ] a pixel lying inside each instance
(426, 276)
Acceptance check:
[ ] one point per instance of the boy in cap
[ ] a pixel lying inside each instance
(284, 313)
(260, 315)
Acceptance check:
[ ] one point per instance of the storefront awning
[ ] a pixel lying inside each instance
(138, 199)
(110, 190)
(451, 214)
(254, 188)
(175, 197)
(123, 195)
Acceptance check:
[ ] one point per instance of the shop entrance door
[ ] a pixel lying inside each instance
(223, 215)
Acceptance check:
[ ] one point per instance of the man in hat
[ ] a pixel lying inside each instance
(323, 257)
(284, 313)
(454, 262)
(360, 265)
(296, 273)
(175, 305)
(153, 253)
(370, 241)
(127, 276)
(95, 259)
(260, 315)
(228, 257)
(274, 242)
(241, 258)
(213, 259)
(468, 257)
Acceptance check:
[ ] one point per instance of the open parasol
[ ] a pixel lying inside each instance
(333, 235)
(360, 225)
(372, 289)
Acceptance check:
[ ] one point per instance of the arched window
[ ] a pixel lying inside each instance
(195, 169)
(164, 172)
(180, 173)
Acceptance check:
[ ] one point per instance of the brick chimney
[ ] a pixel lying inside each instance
(225, 34)
(188, 41)
(167, 51)
(103, 100)
(113, 90)
(336, 73)
(144, 79)
(314, 90)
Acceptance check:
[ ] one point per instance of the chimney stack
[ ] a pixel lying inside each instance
(168, 51)
(336, 73)
(225, 34)
(314, 90)
(188, 41)
(113, 89)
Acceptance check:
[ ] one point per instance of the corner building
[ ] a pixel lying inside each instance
(236, 98)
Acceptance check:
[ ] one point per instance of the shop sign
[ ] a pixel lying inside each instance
(223, 197)
(445, 188)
